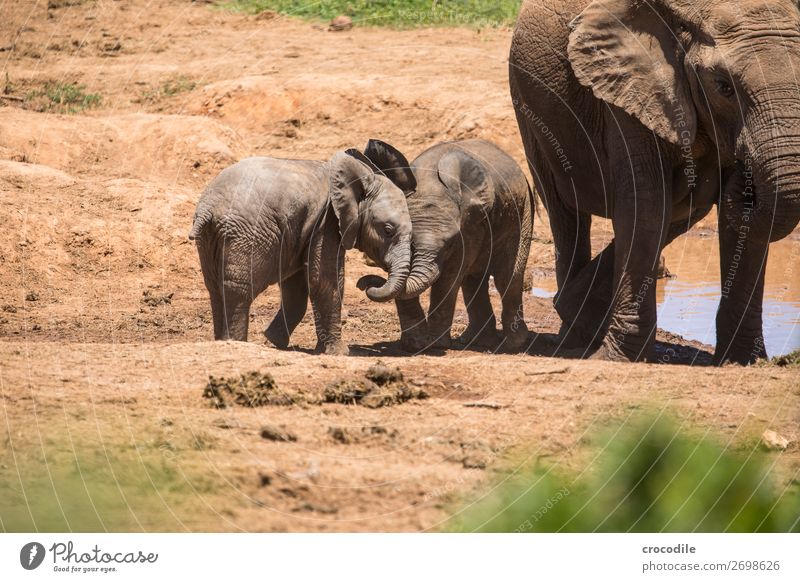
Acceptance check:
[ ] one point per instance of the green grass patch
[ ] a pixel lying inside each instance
(60, 97)
(167, 89)
(158, 486)
(649, 476)
(393, 13)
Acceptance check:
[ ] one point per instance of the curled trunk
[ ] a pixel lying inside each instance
(399, 264)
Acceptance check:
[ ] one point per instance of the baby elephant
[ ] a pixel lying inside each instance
(471, 212)
(265, 221)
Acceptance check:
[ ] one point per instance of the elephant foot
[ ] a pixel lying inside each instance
(742, 352)
(573, 336)
(611, 353)
(276, 335)
(416, 343)
(478, 338)
(333, 349)
(516, 336)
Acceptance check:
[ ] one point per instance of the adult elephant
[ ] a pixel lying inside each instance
(648, 112)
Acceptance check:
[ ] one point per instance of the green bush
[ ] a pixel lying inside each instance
(62, 98)
(648, 477)
(396, 13)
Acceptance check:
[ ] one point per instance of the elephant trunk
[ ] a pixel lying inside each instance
(770, 199)
(399, 266)
(424, 273)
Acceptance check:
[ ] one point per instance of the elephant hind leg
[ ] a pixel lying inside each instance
(236, 301)
(294, 303)
(482, 328)
(509, 282)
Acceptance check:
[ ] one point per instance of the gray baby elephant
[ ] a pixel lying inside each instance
(472, 215)
(264, 221)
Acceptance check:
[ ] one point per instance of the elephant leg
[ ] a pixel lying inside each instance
(509, 282)
(236, 300)
(584, 302)
(217, 312)
(413, 325)
(482, 327)
(326, 277)
(743, 259)
(572, 240)
(641, 219)
(294, 302)
(444, 294)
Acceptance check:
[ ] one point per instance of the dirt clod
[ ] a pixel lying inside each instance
(252, 390)
(271, 432)
(382, 386)
(341, 23)
(154, 299)
(347, 391)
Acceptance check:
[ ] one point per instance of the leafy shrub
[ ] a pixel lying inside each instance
(651, 477)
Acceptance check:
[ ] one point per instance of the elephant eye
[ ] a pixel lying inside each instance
(724, 88)
(388, 229)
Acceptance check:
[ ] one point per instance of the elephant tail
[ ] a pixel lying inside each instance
(534, 198)
(202, 218)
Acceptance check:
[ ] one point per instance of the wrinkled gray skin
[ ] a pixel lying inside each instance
(649, 113)
(471, 212)
(264, 221)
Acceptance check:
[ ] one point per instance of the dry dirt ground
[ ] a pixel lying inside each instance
(105, 323)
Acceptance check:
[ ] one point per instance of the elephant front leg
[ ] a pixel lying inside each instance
(326, 287)
(641, 217)
(743, 259)
(584, 302)
(294, 302)
(413, 325)
(444, 294)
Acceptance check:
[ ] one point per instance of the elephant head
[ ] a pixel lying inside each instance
(718, 78)
(443, 191)
(373, 217)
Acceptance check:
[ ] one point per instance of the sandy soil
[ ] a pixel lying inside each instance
(105, 323)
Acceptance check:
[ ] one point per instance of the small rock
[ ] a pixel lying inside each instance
(32, 296)
(341, 23)
(772, 441)
(36, 327)
(9, 309)
(340, 435)
(274, 433)
(266, 15)
(474, 462)
(264, 480)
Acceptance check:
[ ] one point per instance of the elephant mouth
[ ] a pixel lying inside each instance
(398, 264)
(423, 273)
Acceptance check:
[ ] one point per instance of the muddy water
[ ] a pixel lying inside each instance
(687, 303)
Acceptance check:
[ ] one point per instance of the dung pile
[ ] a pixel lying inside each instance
(381, 386)
(252, 389)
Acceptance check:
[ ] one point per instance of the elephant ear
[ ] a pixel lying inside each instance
(466, 178)
(628, 52)
(349, 183)
(392, 163)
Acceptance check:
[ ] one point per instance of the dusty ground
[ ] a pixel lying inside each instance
(104, 328)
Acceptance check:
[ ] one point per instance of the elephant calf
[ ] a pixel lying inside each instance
(471, 212)
(264, 221)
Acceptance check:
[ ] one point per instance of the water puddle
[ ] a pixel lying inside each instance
(687, 303)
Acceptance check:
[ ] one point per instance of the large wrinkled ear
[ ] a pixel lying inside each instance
(392, 163)
(466, 178)
(349, 181)
(629, 54)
